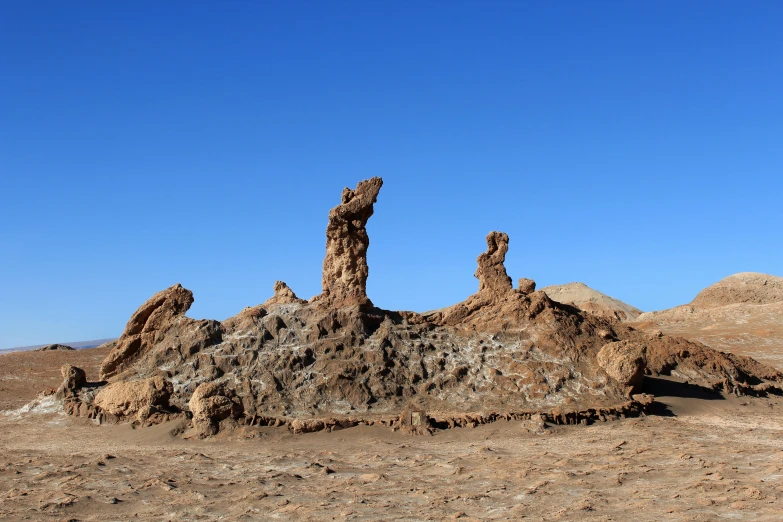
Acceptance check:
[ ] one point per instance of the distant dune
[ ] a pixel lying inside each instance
(585, 298)
(742, 314)
(79, 345)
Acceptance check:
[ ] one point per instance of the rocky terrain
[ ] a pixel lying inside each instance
(314, 409)
(337, 361)
(592, 301)
(741, 314)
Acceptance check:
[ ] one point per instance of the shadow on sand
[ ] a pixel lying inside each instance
(663, 387)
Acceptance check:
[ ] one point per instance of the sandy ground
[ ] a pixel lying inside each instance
(705, 457)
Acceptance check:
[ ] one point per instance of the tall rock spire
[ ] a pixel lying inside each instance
(344, 280)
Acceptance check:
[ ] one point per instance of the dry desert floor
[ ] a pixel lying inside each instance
(702, 457)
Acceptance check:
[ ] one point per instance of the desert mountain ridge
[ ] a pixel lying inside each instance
(742, 313)
(592, 301)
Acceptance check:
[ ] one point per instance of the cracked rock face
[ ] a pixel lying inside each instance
(337, 361)
(344, 280)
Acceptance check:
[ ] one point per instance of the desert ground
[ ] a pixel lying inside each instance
(701, 457)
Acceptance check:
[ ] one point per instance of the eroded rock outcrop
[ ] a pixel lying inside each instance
(135, 399)
(491, 271)
(526, 286)
(148, 328)
(211, 403)
(74, 379)
(283, 295)
(337, 361)
(624, 361)
(345, 270)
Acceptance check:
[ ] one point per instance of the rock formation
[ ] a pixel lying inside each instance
(150, 324)
(138, 399)
(73, 380)
(625, 362)
(283, 295)
(491, 271)
(52, 347)
(345, 270)
(337, 361)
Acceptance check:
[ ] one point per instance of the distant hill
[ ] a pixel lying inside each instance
(79, 345)
(592, 301)
(742, 314)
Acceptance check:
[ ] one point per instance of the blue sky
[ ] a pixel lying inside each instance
(634, 146)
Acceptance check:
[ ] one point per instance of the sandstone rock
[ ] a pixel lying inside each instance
(135, 398)
(149, 325)
(210, 403)
(526, 285)
(283, 295)
(336, 361)
(345, 270)
(491, 271)
(624, 361)
(592, 301)
(52, 347)
(73, 380)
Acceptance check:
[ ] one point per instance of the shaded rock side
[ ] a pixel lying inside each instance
(211, 403)
(345, 270)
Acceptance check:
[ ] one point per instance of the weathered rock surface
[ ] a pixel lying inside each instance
(491, 271)
(283, 295)
(624, 361)
(592, 301)
(73, 380)
(160, 323)
(211, 403)
(51, 347)
(337, 361)
(345, 269)
(138, 399)
(526, 286)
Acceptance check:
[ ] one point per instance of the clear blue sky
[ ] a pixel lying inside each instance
(634, 146)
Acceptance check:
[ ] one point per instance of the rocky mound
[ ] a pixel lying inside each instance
(592, 301)
(337, 360)
(51, 347)
(745, 287)
(740, 314)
